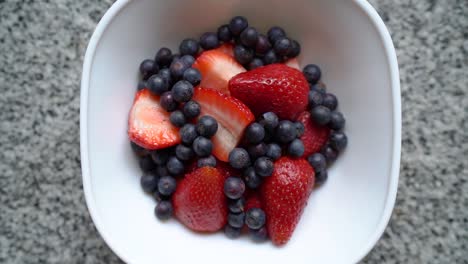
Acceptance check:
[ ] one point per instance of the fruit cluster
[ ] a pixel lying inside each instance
(223, 147)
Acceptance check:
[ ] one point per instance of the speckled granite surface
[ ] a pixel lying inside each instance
(43, 217)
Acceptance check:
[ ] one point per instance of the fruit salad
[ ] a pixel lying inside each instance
(231, 134)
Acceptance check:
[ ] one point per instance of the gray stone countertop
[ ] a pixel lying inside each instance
(43, 216)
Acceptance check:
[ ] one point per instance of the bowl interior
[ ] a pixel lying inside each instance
(342, 217)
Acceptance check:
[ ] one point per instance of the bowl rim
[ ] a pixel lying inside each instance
(390, 53)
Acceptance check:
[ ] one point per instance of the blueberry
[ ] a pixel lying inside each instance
(338, 141)
(236, 220)
(207, 126)
(157, 84)
(177, 68)
(141, 85)
(138, 150)
(256, 151)
(234, 187)
(264, 166)
(167, 102)
(188, 133)
(263, 44)
(184, 153)
(249, 37)
(237, 25)
(255, 63)
(270, 57)
(159, 197)
(255, 133)
(252, 179)
(209, 161)
(269, 136)
(161, 156)
(224, 34)
(296, 148)
(294, 50)
(177, 118)
(147, 68)
(192, 76)
(162, 171)
(209, 40)
(300, 129)
(191, 109)
(259, 235)
(315, 98)
(167, 185)
(232, 232)
(163, 210)
(330, 101)
(236, 206)
(166, 75)
(320, 115)
(286, 131)
(239, 158)
(202, 146)
(147, 164)
(275, 33)
(175, 166)
(243, 55)
(337, 121)
(188, 60)
(163, 57)
(269, 120)
(319, 87)
(317, 161)
(149, 182)
(273, 151)
(182, 91)
(255, 218)
(330, 154)
(282, 46)
(312, 73)
(188, 47)
(321, 177)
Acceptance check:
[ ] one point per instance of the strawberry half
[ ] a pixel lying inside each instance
(199, 201)
(227, 48)
(314, 137)
(276, 88)
(148, 123)
(217, 68)
(293, 63)
(284, 196)
(232, 116)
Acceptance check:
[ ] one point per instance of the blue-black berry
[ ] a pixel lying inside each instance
(338, 141)
(300, 129)
(237, 25)
(255, 63)
(234, 187)
(163, 210)
(232, 232)
(249, 37)
(256, 151)
(166, 75)
(255, 133)
(252, 179)
(273, 151)
(224, 34)
(191, 109)
(259, 235)
(202, 146)
(161, 156)
(138, 150)
(255, 218)
(321, 177)
(207, 126)
(286, 131)
(236, 220)
(147, 68)
(182, 91)
(320, 115)
(188, 60)
(264, 166)
(243, 54)
(330, 154)
(157, 84)
(189, 47)
(149, 182)
(337, 121)
(296, 148)
(315, 98)
(209, 161)
(141, 85)
(175, 166)
(263, 45)
(236, 206)
(317, 161)
(177, 68)
(209, 40)
(184, 153)
(282, 46)
(294, 50)
(147, 164)
(269, 120)
(177, 118)
(167, 102)
(312, 73)
(270, 57)
(192, 76)
(330, 101)
(167, 185)
(275, 33)
(188, 134)
(239, 158)
(163, 57)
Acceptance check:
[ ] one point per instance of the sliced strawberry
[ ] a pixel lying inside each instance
(314, 137)
(293, 63)
(232, 116)
(217, 68)
(148, 123)
(227, 48)
(275, 87)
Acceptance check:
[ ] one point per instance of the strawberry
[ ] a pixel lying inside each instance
(314, 137)
(275, 87)
(253, 201)
(199, 201)
(232, 116)
(217, 68)
(293, 63)
(227, 48)
(284, 196)
(148, 123)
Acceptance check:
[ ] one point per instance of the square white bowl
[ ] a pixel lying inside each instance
(344, 218)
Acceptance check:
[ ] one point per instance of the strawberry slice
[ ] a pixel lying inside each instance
(227, 48)
(314, 137)
(232, 116)
(148, 123)
(217, 68)
(293, 63)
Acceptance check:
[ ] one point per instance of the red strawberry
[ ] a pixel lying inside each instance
(199, 201)
(276, 87)
(227, 48)
(232, 116)
(253, 201)
(315, 136)
(284, 197)
(217, 68)
(148, 123)
(293, 63)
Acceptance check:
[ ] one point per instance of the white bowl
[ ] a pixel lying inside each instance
(344, 218)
